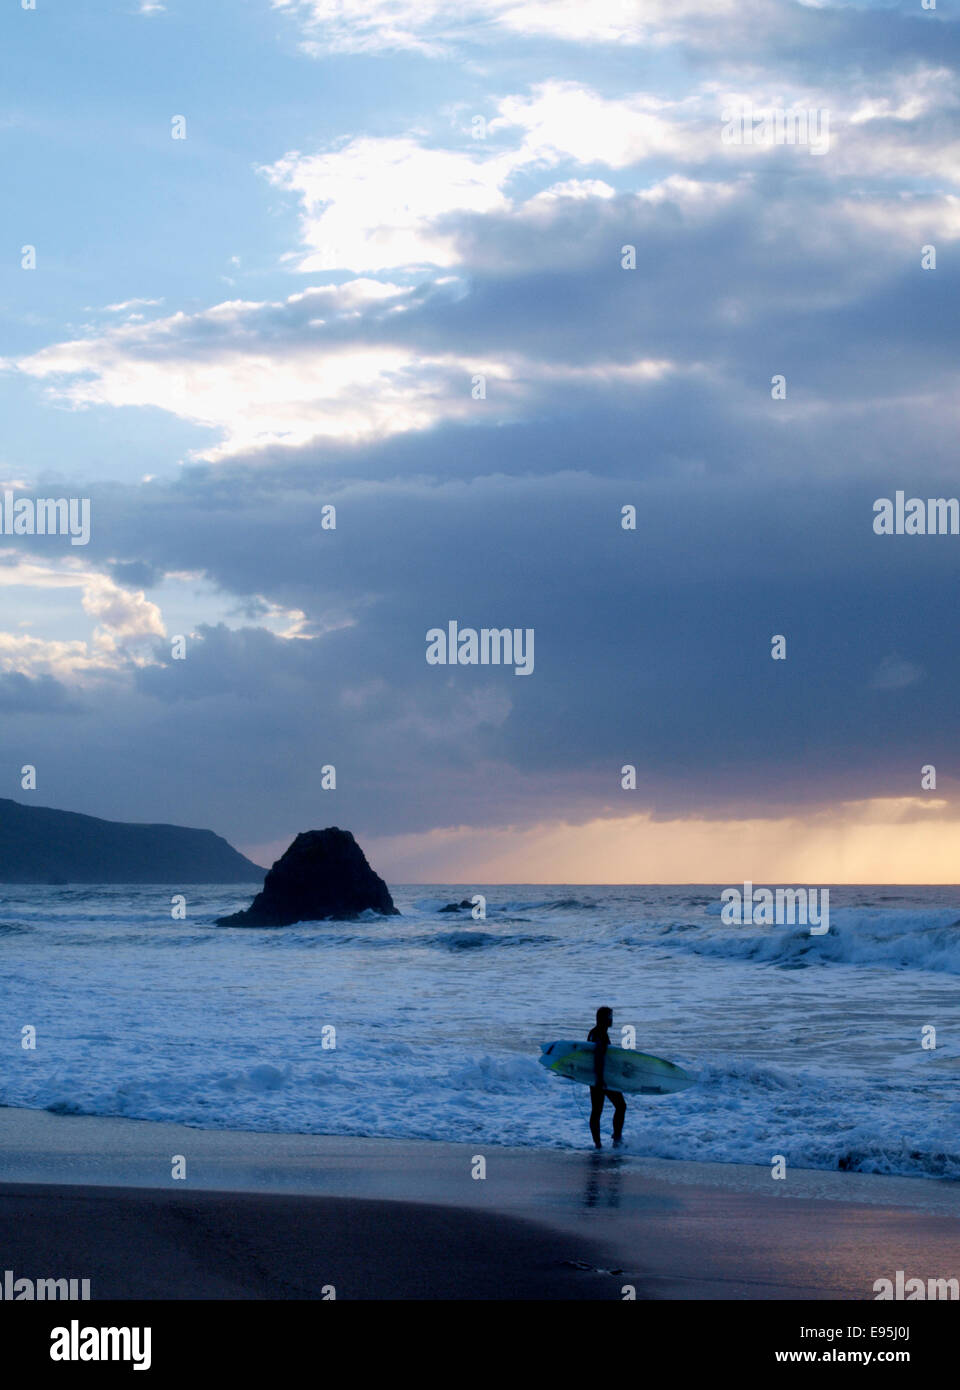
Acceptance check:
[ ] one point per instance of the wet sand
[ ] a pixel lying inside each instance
(281, 1216)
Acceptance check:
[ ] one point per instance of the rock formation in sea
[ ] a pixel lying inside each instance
(323, 875)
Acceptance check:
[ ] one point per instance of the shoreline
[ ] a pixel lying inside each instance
(568, 1218)
(41, 1146)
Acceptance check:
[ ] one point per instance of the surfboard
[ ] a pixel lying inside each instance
(623, 1069)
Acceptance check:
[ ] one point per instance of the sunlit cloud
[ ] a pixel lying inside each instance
(266, 375)
(432, 27)
(125, 621)
(376, 203)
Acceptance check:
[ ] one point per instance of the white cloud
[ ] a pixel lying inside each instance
(575, 188)
(381, 203)
(374, 203)
(267, 375)
(691, 196)
(435, 26)
(123, 614)
(565, 120)
(289, 373)
(127, 304)
(36, 656)
(911, 219)
(898, 125)
(377, 203)
(906, 97)
(126, 622)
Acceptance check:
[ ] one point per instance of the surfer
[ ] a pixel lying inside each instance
(599, 1093)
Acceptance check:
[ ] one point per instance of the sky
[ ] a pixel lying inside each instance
(371, 255)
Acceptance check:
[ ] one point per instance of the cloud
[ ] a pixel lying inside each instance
(431, 27)
(134, 574)
(566, 120)
(124, 620)
(25, 695)
(128, 304)
(336, 362)
(652, 647)
(375, 203)
(894, 673)
(120, 613)
(501, 257)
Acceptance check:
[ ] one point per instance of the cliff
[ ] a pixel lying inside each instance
(41, 845)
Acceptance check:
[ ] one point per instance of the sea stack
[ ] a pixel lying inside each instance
(323, 875)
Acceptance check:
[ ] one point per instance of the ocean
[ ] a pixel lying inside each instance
(805, 1046)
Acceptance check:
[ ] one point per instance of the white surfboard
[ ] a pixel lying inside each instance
(623, 1069)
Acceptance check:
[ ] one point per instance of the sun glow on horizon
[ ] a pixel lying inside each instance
(889, 840)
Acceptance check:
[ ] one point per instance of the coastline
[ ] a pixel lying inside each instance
(261, 1215)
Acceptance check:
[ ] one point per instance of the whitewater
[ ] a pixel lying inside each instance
(804, 1046)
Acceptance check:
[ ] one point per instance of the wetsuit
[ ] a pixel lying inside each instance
(599, 1093)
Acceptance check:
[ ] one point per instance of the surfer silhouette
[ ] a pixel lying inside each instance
(598, 1092)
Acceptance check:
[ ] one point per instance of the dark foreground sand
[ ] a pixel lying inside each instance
(132, 1243)
(280, 1216)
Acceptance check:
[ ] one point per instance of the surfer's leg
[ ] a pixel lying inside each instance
(596, 1109)
(619, 1113)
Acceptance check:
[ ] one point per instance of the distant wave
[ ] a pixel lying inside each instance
(548, 904)
(480, 940)
(326, 936)
(510, 905)
(898, 938)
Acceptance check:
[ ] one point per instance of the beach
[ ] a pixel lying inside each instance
(294, 1216)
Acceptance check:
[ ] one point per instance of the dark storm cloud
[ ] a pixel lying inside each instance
(35, 695)
(133, 575)
(651, 648)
